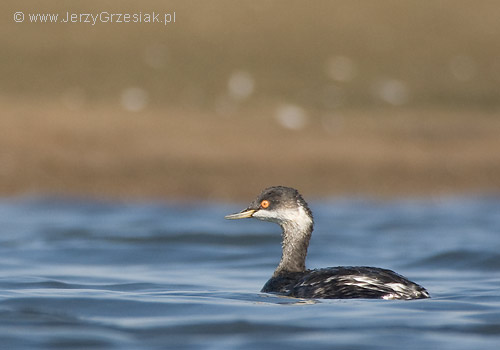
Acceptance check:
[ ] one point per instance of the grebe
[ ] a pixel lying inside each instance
(286, 207)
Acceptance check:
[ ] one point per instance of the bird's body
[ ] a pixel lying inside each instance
(286, 207)
(345, 282)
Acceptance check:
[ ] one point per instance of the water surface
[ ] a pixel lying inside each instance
(93, 274)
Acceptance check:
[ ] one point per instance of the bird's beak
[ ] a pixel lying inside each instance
(247, 213)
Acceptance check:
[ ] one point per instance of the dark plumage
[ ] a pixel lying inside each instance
(286, 207)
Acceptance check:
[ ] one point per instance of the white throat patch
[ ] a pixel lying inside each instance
(296, 217)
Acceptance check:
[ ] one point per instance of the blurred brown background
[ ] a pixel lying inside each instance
(331, 97)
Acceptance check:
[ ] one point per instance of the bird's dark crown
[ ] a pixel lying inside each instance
(280, 197)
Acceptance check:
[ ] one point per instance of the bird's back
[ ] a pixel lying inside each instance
(345, 282)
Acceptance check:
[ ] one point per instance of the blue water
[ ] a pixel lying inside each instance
(89, 274)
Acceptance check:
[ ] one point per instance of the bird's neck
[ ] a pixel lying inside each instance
(296, 235)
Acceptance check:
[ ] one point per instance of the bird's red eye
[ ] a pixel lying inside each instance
(264, 204)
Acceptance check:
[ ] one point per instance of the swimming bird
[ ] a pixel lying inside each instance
(286, 207)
